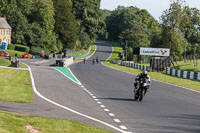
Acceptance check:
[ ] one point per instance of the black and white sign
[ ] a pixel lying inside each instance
(154, 51)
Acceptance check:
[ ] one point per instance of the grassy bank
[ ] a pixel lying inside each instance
(13, 52)
(188, 66)
(93, 47)
(15, 86)
(161, 76)
(5, 62)
(14, 123)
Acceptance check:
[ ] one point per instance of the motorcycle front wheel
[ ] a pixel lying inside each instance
(141, 94)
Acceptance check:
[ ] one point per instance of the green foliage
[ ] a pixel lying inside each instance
(11, 46)
(32, 22)
(22, 48)
(66, 25)
(44, 125)
(91, 24)
(35, 50)
(4, 62)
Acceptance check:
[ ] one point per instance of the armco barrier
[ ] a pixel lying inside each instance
(183, 74)
(174, 72)
(179, 73)
(198, 76)
(191, 75)
(131, 64)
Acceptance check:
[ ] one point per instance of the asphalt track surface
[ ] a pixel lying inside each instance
(165, 109)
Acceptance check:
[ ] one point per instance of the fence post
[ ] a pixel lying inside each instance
(168, 71)
(198, 76)
(191, 75)
(145, 68)
(185, 74)
(174, 72)
(179, 73)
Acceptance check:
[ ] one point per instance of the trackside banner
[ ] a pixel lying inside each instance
(154, 51)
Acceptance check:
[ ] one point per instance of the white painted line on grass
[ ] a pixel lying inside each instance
(69, 109)
(14, 68)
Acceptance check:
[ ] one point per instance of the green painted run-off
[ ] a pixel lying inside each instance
(67, 73)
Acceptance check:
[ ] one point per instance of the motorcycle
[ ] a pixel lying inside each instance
(141, 89)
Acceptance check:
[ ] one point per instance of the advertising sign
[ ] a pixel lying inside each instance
(154, 51)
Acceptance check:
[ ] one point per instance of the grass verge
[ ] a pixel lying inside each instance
(161, 76)
(13, 52)
(5, 62)
(80, 52)
(189, 66)
(15, 123)
(93, 47)
(15, 86)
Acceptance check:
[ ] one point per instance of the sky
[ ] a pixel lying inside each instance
(154, 7)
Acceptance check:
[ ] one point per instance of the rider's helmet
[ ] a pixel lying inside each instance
(144, 73)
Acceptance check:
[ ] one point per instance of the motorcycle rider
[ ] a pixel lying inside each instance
(144, 74)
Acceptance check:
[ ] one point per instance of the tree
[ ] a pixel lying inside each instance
(174, 23)
(66, 25)
(86, 11)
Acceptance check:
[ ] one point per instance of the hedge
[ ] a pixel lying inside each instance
(37, 51)
(11, 46)
(22, 48)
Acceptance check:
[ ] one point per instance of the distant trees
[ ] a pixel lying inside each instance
(53, 24)
(132, 25)
(58, 24)
(32, 22)
(66, 25)
(87, 13)
(179, 28)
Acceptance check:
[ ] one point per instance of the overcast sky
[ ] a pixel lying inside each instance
(154, 7)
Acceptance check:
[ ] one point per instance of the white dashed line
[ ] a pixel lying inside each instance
(123, 127)
(107, 110)
(117, 120)
(102, 106)
(96, 99)
(111, 114)
(69, 109)
(99, 102)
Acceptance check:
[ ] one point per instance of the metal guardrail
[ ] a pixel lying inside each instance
(131, 64)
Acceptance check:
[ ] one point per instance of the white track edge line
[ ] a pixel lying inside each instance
(66, 108)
